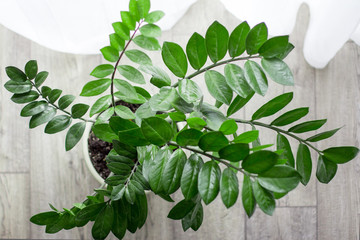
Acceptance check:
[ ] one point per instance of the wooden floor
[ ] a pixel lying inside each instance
(35, 170)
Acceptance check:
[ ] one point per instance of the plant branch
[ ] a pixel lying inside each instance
(215, 65)
(279, 131)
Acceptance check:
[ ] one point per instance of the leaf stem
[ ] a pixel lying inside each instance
(215, 65)
(279, 131)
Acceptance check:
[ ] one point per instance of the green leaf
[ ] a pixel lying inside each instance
(274, 46)
(304, 163)
(174, 58)
(130, 195)
(142, 92)
(237, 39)
(96, 87)
(273, 106)
(283, 143)
(341, 155)
(158, 131)
(234, 152)
(255, 38)
(163, 100)
(288, 49)
(238, 103)
(325, 170)
(255, 77)
(65, 101)
(229, 187)
(290, 116)
(15, 74)
(116, 42)
(196, 122)
(33, 108)
(31, 69)
(148, 43)
(42, 117)
(120, 219)
(104, 132)
(213, 141)
(260, 161)
(217, 86)
(58, 124)
(264, 198)
(103, 223)
(260, 147)
(172, 171)
(124, 112)
(235, 78)
(150, 30)
(124, 150)
(214, 117)
(278, 71)
(247, 196)
(100, 105)
(180, 210)
(89, 212)
(209, 181)
(154, 16)
(143, 7)
(322, 136)
(189, 137)
(177, 116)
(110, 53)
(228, 127)
(216, 39)
(74, 135)
(102, 70)
(159, 75)
(40, 78)
(25, 97)
(118, 191)
(121, 30)
(44, 218)
(18, 87)
(131, 74)
(307, 126)
(79, 110)
(279, 179)
(138, 56)
(194, 218)
(129, 132)
(189, 91)
(128, 20)
(58, 224)
(247, 137)
(127, 92)
(45, 90)
(189, 177)
(54, 95)
(196, 51)
(157, 167)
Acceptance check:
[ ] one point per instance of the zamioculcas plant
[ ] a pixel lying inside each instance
(148, 145)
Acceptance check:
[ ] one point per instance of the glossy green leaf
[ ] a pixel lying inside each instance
(189, 177)
(214, 117)
(138, 56)
(284, 54)
(121, 30)
(154, 16)
(218, 87)
(228, 127)
(247, 137)
(279, 179)
(234, 152)
(18, 87)
(181, 209)
(78, 110)
(130, 195)
(237, 39)
(322, 136)
(102, 70)
(128, 132)
(160, 77)
(157, 167)
(128, 20)
(325, 170)
(196, 51)
(255, 77)
(44, 218)
(273, 106)
(124, 112)
(45, 90)
(247, 196)
(278, 71)
(120, 220)
(341, 154)
(124, 150)
(174, 58)
(103, 223)
(172, 171)
(96, 87)
(54, 95)
(229, 187)
(156, 130)
(189, 90)
(196, 122)
(189, 137)
(163, 100)
(151, 44)
(260, 147)
(15, 74)
(235, 78)
(290, 116)
(110, 53)
(238, 103)
(131, 74)
(74, 135)
(31, 69)
(25, 97)
(100, 105)
(194, 218)
(264, 198)
(42, 117)
(142, 92)
(255, 38)
(58, 124)
(274, 46)
(116, 42)
(213, 141)
(143, 7)
(150, 30)
(283, 143)
(304, 163)
(209, 181)
(65, 101)
(177, 116)
(40, 78)
(307, 126)
(33, 108)
(260, 161)
(126, 91)
(216, 39)
(118, 191)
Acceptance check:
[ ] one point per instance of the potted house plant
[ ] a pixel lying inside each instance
(148, 146)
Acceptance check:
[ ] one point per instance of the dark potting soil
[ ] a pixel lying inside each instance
(99, 149)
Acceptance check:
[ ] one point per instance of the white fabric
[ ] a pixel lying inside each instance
(81, 26)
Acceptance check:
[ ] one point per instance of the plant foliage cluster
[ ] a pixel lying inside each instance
(149, 145)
